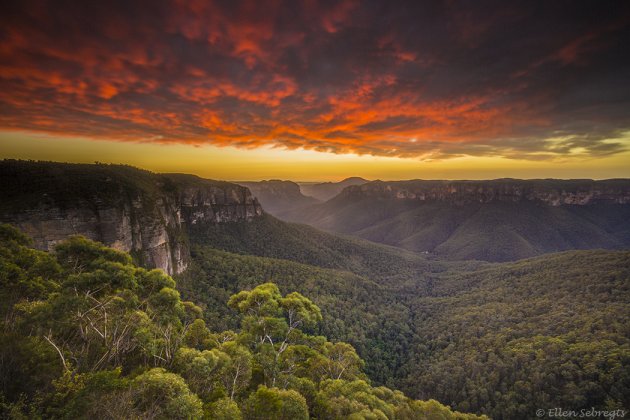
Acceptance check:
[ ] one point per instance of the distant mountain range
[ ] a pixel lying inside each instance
(499, 220)
(281, 197)
(278, 197)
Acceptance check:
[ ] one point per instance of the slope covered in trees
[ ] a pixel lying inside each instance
(267, 236)
(546, 332)
(87, 334)
(356, 309)
(507, 339)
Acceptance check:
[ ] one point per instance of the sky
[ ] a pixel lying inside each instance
(320, 90)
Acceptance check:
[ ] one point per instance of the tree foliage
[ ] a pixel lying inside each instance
(499, 339)
(91, 335)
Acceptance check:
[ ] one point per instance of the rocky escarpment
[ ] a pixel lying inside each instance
(551, 192)
(136, 211)
(498, 220)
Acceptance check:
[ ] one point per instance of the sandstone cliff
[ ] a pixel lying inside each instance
(497, 220)
(136, 211)
(551, 192)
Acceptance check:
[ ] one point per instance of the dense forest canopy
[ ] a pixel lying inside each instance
(88, 334)
(500, 339)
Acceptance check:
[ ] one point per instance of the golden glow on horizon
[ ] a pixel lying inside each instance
(230, 163)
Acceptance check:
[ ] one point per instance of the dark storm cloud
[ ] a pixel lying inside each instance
(533, 80)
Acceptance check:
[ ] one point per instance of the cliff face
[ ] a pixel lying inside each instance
(550, 192)
(499, 220)
(136, 211)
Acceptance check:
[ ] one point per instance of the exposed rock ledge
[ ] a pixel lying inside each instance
(136, 211)
(551, 192)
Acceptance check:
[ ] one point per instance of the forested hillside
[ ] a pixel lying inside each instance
(87, 334)
(267, 236)
(547, 332)
(499, 339)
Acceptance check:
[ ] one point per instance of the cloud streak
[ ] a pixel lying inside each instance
(428, 80)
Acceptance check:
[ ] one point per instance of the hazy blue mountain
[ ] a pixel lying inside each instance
(278, 197)
(327, 190)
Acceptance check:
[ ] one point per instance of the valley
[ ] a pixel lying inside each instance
(413, 317)
(496, 220)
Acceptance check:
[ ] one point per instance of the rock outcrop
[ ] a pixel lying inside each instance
(137, 211)
(551, 192)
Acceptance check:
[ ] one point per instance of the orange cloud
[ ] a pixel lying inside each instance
(348, 77)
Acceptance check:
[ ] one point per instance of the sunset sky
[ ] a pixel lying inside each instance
(318, 90)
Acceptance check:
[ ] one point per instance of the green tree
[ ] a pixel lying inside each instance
(104, 394)
(274, 322)
(238, 372)
(25, 274)
(109, 311)
(273, 403)
(223, 409)
(203, 370)
(338, 361)
(198, 336)
(163, 395)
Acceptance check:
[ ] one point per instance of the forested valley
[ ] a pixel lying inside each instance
(499, 339)
(383, 332)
